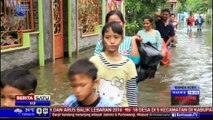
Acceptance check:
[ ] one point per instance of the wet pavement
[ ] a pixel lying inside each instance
(191, 63)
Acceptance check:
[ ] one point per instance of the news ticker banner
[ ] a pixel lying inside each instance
(156, 112)
(151, 112)
(32, 100)
(185, 94)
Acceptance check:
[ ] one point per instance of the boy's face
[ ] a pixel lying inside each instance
(112, 40)
(82, 86)
(8, 94)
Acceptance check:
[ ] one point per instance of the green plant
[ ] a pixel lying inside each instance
(208, 18)
(137, 9)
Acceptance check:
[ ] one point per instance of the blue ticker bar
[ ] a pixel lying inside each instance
(25, 112)
(185, 92)
(206, 115)
(32, 103)
(191, 115)
(185, 115)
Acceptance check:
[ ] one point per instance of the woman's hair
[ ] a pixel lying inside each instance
(149, 18)
(21, 79)
(115, 12)
(116, 28)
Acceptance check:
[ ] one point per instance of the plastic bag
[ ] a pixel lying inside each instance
(149, 55)
(143, 73)
(166, 53)
(196, 22)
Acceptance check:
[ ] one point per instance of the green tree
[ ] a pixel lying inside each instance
(198, 6)
(182, 6)
(137, 9)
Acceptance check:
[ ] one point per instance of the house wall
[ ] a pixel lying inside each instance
(29, 57)
(25, 57)
(47, 15)
(83, 42)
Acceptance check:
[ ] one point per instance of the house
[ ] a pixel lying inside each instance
(173, 6)
(34, 32)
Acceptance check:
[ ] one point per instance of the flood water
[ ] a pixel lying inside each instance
(191, 63)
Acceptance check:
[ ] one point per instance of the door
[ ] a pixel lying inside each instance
(58, 28)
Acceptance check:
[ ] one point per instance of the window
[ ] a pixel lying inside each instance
(89, 12)
(113, 5)
(16, 18)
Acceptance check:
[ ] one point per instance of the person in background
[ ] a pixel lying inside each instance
(183, 17)
(16, 82)
(117, 73)
(175, 23)
(190, 21)
(83, 80)
(152, 36)
(200, 22)
(129, 46)
(163, 25)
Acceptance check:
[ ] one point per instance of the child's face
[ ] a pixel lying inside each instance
(8, 95)
(112, 40)
(82, 86)
(172, 17)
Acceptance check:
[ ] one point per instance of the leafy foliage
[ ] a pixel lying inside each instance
(182, 6)
(137, 9)
(200, 6)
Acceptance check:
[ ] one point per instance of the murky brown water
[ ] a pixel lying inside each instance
(191, 63)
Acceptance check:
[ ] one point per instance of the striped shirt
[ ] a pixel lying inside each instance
(117, 80)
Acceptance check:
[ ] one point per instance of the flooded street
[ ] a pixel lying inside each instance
(191, 63)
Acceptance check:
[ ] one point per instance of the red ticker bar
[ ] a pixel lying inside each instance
(132, 110)
(25, 97)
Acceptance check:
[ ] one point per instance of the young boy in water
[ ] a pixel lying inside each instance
(16, 82)
(83, 79)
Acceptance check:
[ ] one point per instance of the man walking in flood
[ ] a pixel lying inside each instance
(199, 22)
(164, 26)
